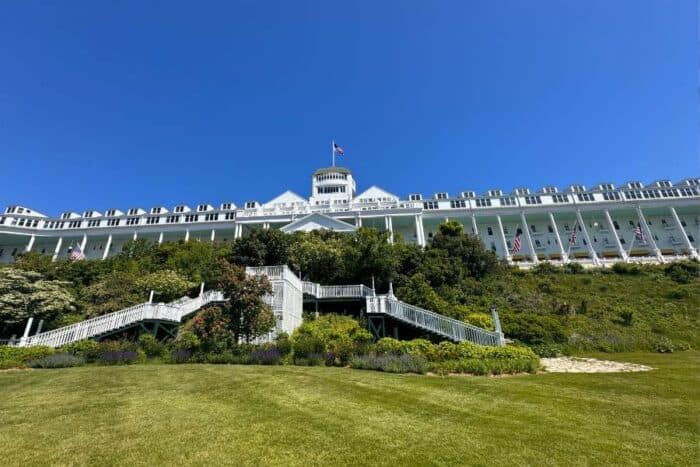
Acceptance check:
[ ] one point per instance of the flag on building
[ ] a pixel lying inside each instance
(639, 234)
(337, 149)
(517, 241)
(572, 239)
(76, 253)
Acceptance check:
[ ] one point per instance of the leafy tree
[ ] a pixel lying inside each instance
(335, 334)
(167, 285)
(317, 255)
(114, 291)
(369, 254)
(24, 294)
(261, 247)
(245, 313)
(475, 259)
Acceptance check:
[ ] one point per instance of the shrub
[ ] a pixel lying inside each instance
(312, 359)
(389, 345)
(683, 272)
(151, 346)
(487, 366)
(283, 344)
(180, 356)
(548, 350)
(186, 340)
(17, 357)
(625, 317)
(270, 356)
(57, 360)
(87, 349)
(340, 335)
(221, 358)
(390, 363)
(626, 268)
(481, 320)
(121, 357)
(573, 268)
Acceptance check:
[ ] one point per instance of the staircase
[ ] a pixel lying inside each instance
(417, 317)
(122, 319)
(426, 320)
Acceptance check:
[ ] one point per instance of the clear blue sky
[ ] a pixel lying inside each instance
(123, 104)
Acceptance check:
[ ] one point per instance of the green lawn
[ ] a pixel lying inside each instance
(240, 415)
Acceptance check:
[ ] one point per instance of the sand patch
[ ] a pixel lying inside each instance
(589, 365)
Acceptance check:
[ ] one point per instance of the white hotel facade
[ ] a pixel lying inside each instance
(605, 216)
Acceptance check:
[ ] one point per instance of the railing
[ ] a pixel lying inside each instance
(275, 273)
(337, 291)
(173, 311)
(451, 328)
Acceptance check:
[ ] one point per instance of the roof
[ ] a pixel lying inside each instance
(327, 170)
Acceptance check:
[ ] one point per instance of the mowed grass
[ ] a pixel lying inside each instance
(254, 415)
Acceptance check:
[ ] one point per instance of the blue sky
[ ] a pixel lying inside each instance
(123, 104)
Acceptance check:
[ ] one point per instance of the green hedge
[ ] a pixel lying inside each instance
(18, 357)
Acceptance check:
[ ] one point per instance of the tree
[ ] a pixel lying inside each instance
(261, 247)
(114, 291)
(25, 294)
(369, 254)
(246, 314)
(317, 255)
(476, 260)
(167, 285)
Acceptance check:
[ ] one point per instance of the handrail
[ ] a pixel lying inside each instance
(173, 311)
(448, 327)
(337, 291)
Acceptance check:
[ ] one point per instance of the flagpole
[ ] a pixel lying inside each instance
(333, 151)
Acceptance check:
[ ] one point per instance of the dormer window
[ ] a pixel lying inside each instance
(180, 208)
(133, 211)
(251, 204)
(111, 212)
(226, 206)
(467, 194)
(494, 193)
(203, 207)
(65, 215)
(606, 186)
(522, 191)
(156, 210)
(415, 197)
(442, 195)
(549, 189)
(88, 213)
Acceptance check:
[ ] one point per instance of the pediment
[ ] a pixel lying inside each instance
(317, 221)
(286, 198)
(375, 193)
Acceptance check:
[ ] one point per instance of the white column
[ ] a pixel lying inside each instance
(591, 250)
(30, 244)
(359, 221)
(526, 231)
(691, 250)
(650, 236)
(390, 227)
(58, 248)
(237, 230)
(107, 247)
(136, 235)
(213, 234)
(420, 234)
(83, 243)
(562, 251)
(611, 225)
(509, 258)
(26, 331)
(474, 226)
(160, 238)
(187, 235)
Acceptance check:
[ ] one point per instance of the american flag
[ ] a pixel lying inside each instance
(337, 149)
(516, 241)
(76, 254)
(572, 240)
(639, 233)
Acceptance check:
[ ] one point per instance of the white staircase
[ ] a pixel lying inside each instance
(172, 312)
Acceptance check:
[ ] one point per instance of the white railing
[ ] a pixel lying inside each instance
(173, 311)
(337, 291)
(448, 327)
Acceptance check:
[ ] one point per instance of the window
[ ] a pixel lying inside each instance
(94, 223)
(133, 211)
(88, 213)
(112, 222)
(489, 230)
(560, 198)
(691, 238)
(616, 225)
(533, 229)
(74, 224)
(442, 195)
(250, 204)
(483, 202)
(230, 216)
(508, 201)
(415, 197)
(156, 210)
(430, 205)
(585, 197)
(550, 229)
(132, 221)
(211, 217)
(566, 227)
(226, 206)
(179, 208)
(458, 203)
(533, 200)
(111, 212)
(153, 220)
(683, 223)
(611, 196)
(191, 218)
(172, 219)
(203, 207)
